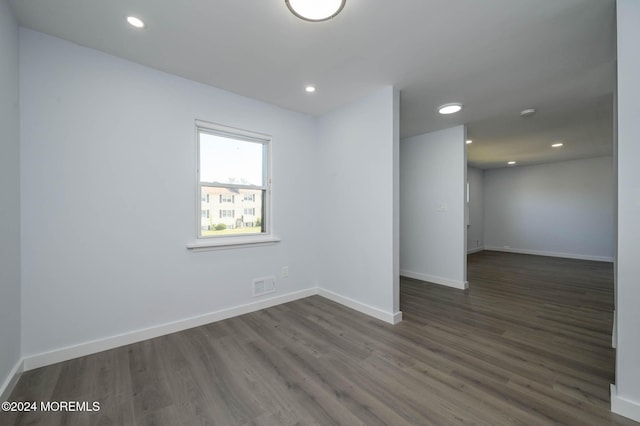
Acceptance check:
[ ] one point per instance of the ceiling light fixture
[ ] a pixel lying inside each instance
(557, 145)
(135, 22)
(449, 108)
(310, 89)
(511, 163)
(527, 112)
(315, 10)
(469, 141)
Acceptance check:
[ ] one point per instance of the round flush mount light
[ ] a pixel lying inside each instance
(469, 141)
(135, 22)
(557, 145)
(310, 89)
(449, 108)
(527, 112)
(315, 10)
(511, 163)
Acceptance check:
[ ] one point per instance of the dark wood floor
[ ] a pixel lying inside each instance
(528, 344)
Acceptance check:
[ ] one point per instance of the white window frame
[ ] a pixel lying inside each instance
(240, 240)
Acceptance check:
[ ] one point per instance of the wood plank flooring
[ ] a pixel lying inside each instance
(527, 344)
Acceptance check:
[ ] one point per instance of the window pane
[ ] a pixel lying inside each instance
(231, 211)
(226, 160)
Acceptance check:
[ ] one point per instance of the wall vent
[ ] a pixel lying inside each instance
(264, 285)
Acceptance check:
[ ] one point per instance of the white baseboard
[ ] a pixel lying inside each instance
(551, 254)
(475, 250)
(391, 318)
(11, 380)
(31, 362)
(71, 352)
(462, 285)
(624, 407)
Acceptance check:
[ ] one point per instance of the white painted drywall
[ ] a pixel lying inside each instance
(560, 209)
(432, 207)
(355, 224)
(9, 195)
(108, 191)
(626, 398)
(475, 230)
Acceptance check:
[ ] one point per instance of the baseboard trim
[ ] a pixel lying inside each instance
(391, 318)
(551, 254)
(475, 250)
(95, 346)
(624, 407)
(31, 362)
(461, 285)
(11, 380)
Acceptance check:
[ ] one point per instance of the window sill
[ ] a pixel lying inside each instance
(232, 242)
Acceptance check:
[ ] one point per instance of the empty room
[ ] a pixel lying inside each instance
(300, 212)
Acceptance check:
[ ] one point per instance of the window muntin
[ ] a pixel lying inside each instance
(233, 182)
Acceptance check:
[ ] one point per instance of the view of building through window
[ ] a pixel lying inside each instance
(230, 211)
(233, 182)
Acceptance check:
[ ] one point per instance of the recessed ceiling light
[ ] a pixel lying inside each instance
(511, 163)
(557, 145)
(527, 112)
(315, 10)
(310, 89)
(469, 141)
(449, 108)
(135, 22)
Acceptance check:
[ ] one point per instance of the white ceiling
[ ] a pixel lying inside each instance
(496, 57)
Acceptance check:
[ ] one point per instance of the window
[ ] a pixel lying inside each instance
(233, 178)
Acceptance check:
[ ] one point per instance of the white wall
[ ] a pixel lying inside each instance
(625, 395)
(559, 209)
(357, 151)
(9, 197)
(432, 207)
(108, 194)
(475, 230)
